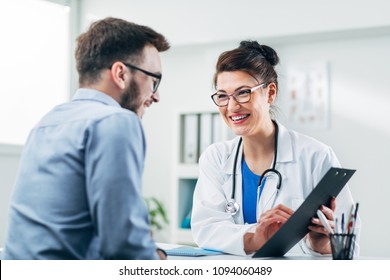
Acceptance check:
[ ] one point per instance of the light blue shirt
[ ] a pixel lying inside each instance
(78, 190)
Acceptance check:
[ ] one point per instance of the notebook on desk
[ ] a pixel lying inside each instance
(189, 251)
(296, 226)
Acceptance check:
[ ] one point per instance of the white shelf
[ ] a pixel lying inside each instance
(186, 169)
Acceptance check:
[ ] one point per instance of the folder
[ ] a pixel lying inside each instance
(296, 226)
(217, 128)
(190, 138)
(206, 124)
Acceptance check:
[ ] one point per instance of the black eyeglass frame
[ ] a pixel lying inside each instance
(232, 94)
(156, 76)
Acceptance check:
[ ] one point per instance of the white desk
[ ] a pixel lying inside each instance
(166, 246)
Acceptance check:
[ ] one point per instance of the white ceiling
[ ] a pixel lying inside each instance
(186, 22)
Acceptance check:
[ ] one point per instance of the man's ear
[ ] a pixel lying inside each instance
(119, 74)
(272, 91)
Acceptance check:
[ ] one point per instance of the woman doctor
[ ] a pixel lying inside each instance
(233, 211)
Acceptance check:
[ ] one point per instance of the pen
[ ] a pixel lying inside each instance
(354, 217)
(342, 223)
(356, 209)
(349, 222)
(324, 221)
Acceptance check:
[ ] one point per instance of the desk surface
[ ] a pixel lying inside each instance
(167, 246)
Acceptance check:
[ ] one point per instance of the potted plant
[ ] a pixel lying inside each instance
(157, 213)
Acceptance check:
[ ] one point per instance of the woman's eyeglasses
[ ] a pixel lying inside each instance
(240, 96)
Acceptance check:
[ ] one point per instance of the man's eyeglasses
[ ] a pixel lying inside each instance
(240, 96)
(157, 77)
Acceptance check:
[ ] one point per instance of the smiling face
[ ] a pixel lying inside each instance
(245, 119)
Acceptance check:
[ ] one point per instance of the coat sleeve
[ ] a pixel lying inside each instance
(211, 226)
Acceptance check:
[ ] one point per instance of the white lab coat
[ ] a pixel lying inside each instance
(301, 161)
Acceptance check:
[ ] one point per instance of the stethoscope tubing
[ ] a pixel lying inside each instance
(232, 206)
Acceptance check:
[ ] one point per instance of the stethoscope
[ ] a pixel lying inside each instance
(232, 206)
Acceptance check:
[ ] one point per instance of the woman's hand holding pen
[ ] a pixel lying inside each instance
(318, 235)
(268, 224)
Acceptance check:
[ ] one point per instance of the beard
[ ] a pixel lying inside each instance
(130, 98)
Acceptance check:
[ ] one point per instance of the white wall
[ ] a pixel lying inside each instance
(9, 161)
(188, 22)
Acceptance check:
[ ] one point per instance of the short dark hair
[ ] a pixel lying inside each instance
(250, 57)
(112, 39)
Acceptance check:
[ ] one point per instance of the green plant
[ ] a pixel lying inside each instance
(157, 213)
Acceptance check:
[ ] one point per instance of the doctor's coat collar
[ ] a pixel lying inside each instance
(285, 151)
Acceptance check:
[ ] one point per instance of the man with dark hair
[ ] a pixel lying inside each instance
(78, 191)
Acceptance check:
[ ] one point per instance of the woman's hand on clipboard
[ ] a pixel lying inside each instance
(268, 224)
(318, 236)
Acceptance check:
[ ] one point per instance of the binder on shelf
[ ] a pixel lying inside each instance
(190, 138)
(206, 129)
(217, 128)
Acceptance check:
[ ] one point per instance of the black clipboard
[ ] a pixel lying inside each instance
(296, 226)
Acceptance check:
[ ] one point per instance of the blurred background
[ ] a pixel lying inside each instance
(334, 77)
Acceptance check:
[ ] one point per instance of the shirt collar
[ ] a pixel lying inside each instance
(95, 95)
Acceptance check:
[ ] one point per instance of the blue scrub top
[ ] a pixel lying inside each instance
(249, 193)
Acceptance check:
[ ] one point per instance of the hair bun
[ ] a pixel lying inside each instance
(267, 52)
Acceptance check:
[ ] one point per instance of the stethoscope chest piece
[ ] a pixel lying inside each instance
(232, 207)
